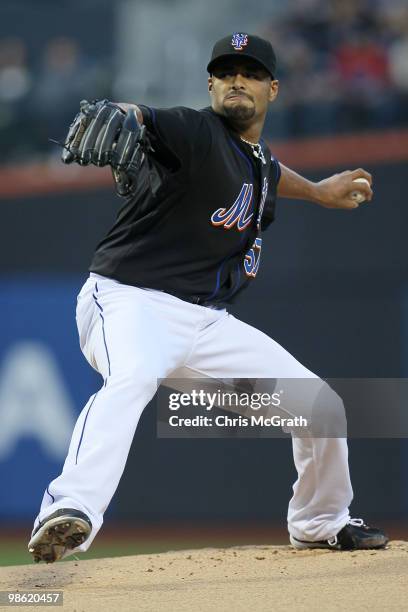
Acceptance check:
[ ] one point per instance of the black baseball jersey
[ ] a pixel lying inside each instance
(192, 224)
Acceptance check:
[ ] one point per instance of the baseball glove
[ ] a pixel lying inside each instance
(103, 134)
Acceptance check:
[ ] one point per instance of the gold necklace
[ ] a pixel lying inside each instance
(256, 149)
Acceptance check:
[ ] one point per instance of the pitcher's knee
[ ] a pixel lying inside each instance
(328, 415)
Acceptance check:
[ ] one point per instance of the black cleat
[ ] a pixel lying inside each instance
(59, 533)
(356, 535)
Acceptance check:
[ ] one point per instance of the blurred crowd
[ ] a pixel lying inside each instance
(342, 66)
(37, 99)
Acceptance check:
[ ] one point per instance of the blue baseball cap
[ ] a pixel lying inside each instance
(241, 44)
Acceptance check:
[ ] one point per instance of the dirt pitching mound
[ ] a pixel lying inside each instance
(245, 578)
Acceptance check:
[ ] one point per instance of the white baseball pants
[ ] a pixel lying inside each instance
(134, 337)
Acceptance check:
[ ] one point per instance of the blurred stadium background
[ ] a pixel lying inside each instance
(333, 287)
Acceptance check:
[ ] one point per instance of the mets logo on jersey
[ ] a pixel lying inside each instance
(239, 41)
(239, 213)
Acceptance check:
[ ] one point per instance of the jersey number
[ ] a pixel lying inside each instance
(253, 258)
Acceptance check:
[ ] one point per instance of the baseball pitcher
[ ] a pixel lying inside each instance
(198, 191)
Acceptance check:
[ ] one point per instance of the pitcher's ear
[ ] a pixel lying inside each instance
(273, 92)
(210, 83)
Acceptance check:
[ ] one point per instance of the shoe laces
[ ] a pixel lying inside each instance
(356, 522)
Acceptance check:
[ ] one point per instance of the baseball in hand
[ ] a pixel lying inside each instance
(359, 196)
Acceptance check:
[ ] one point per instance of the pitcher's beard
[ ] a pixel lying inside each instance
(238, 113)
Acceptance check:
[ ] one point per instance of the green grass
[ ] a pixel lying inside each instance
(149, 539)
(15, 552)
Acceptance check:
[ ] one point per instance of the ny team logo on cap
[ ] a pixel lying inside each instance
(239, 41)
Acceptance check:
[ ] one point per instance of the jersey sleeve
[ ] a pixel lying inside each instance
(179, 131)
(276, 170)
